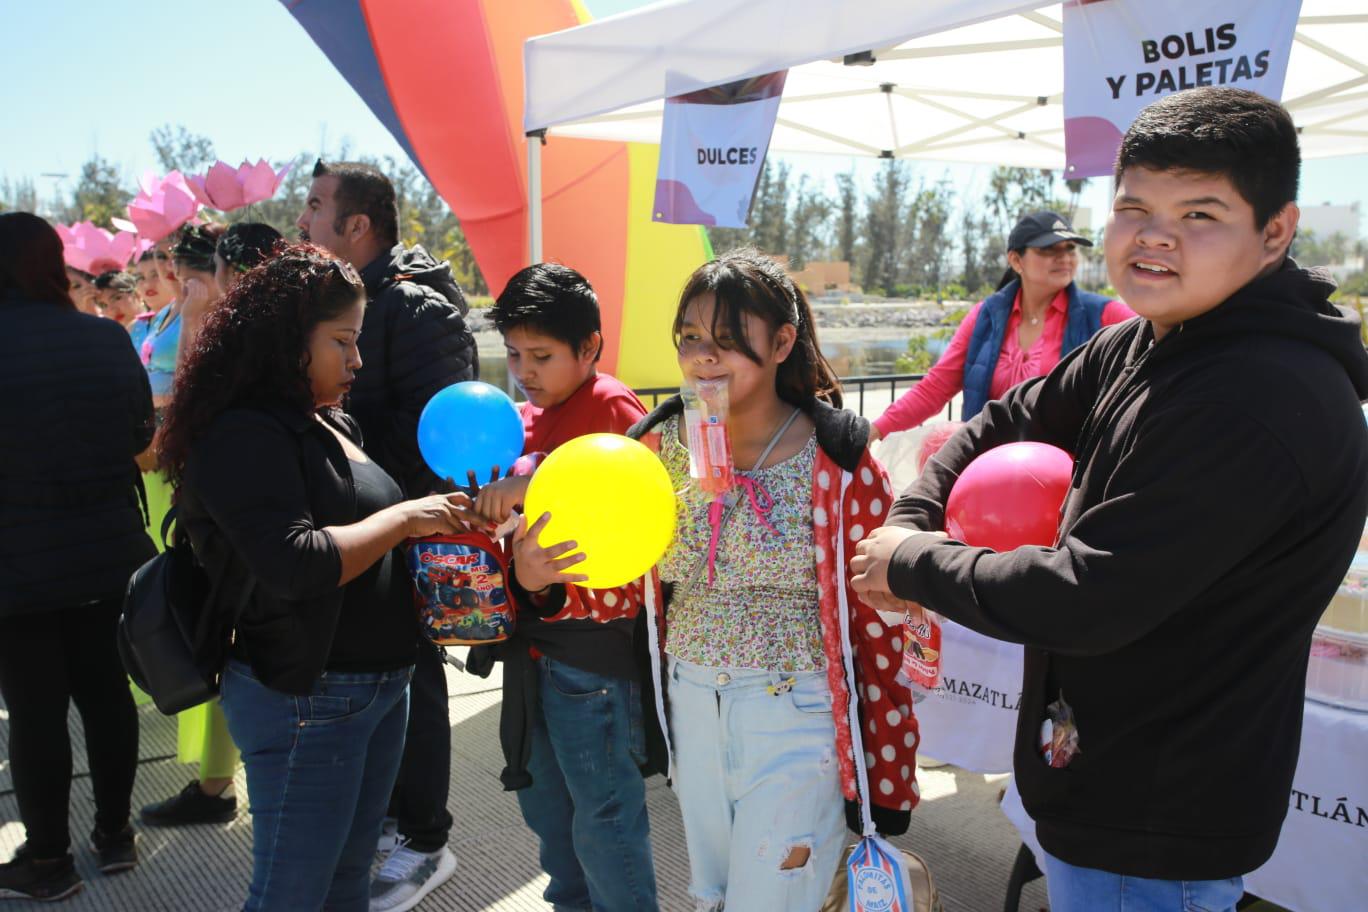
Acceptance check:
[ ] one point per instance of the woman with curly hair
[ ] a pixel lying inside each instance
(291, 519)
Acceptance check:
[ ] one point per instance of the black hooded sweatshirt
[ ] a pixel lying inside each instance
(1220, 487)
(414, 342)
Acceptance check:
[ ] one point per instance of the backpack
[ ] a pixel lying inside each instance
(173, 636)
(925, 896)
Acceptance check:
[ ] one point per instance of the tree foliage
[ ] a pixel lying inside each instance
(177, 149)
(102, 192)
(904, 233)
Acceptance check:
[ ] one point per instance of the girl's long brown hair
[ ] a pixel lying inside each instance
(747, 281)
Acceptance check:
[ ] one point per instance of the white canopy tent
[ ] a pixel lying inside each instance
(954, 80)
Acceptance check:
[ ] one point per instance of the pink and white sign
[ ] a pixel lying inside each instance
(1120, 55)
(712, 145)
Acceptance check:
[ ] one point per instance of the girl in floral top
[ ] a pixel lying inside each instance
(782, 700)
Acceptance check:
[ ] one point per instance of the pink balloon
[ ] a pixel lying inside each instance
(936, 438)
(527, 464)
(1010, 496)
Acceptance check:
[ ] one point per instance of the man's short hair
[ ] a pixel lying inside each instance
(551, 299)
(1233, 133)
(363, 190)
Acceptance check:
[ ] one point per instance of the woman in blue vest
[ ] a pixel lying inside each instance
(1036, 316)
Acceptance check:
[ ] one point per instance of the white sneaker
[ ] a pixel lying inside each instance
(407, 876)
(389, 839)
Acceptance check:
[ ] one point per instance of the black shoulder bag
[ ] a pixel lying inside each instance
(174, 634)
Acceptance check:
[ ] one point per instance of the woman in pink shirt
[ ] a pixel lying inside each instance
(1036, 316)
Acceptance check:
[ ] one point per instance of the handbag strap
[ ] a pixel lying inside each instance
(167, 520)
(731, 510)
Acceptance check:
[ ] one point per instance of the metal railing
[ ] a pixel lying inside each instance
(853, 389)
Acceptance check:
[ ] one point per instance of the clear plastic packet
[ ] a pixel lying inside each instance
(705, 426)
(921, 660)
(1059, 734)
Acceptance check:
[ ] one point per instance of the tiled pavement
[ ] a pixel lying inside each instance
(958, 829)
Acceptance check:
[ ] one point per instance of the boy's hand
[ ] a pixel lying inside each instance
(893, 610)
(538, 568)
(869, 566)
(498, 499)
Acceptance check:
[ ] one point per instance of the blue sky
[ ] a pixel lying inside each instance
(100, 76)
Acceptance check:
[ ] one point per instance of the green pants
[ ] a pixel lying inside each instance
(202, 733)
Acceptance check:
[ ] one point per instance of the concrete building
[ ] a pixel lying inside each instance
(1327, 220)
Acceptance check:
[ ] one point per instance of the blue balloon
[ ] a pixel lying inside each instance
(470, 427)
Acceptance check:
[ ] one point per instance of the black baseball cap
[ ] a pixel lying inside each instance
(1043, 229)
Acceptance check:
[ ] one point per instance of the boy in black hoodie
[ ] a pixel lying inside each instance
(1220, 487)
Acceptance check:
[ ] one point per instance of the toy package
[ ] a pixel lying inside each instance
(459, 583)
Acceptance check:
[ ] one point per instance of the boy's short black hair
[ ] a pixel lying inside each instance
(1235, 133)
(363, 190)
(552, 299)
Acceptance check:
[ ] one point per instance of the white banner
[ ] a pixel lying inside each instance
(1120, 55)
(712, 145)
(1319, 862)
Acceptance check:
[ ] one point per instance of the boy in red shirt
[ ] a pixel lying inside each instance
(571, 723)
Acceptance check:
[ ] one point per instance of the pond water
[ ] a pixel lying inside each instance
(849, 354)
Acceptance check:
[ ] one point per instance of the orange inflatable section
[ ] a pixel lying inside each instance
(455, 73)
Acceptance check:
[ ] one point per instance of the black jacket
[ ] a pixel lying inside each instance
(1220, 487)
(75, 409)
(259, 488)
(414, 343)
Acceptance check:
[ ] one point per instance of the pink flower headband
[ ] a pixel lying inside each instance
(94, 250)
(162, 205)
(225, 188)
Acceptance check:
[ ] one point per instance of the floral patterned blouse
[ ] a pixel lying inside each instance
(761, 610)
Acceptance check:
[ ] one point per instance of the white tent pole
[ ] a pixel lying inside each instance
(535, 140)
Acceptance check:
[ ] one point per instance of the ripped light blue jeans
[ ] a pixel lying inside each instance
(757, 778)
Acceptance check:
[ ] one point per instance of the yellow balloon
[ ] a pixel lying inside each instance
(612, 497)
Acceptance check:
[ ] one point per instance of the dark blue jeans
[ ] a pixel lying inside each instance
(420, 795)
(587, 800)
(319, 773)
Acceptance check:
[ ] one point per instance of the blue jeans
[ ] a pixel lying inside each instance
(587, 800)
(319, 773)
(758, 781)
(1075, 889)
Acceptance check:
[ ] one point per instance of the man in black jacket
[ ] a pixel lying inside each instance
(1220, 487)
(414, 342)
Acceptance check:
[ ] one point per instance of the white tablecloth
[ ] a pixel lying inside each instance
(1321, 862)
